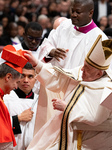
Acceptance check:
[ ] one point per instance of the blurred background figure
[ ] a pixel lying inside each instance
(52, 10)
(108, 31)
(5, 21)
(11, 38)
(1, 34)
(101, 8)
(43, 11)
(110, 20)
(43, 20)
(23, 19)
(65, 9)
(103, 23)
(21, 29)
(2, 6)
(13, 6)
(1, 29)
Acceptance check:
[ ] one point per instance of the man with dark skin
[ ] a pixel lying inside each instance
(76, 35)
(32, 38)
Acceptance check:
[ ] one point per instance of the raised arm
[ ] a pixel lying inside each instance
(46, 75)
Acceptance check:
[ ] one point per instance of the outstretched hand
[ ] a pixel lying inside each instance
(58, 53)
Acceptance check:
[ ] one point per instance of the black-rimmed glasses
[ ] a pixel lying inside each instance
(31, 38)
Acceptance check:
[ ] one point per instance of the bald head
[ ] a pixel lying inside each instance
(58, 21)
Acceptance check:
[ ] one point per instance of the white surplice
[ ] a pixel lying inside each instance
(78, 43)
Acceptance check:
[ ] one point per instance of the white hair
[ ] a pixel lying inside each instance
(41, 17)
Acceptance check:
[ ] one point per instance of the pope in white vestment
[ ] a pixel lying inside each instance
(85, 124)
(87, 110)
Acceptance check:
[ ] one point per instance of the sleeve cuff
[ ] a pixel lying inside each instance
(46, 59)
(38, 67)
(16, 125)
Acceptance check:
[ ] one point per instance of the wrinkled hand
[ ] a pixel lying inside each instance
(58, 53)
(59, 104)
(26, 115)
(29, 56)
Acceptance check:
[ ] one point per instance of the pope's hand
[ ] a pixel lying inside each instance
(29, 56)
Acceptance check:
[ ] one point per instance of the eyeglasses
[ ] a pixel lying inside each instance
(31, 38)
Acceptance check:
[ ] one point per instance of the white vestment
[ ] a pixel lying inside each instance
(87, 115)
(78, 43)
(16, 106)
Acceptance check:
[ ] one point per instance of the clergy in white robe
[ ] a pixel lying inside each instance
(78, 40)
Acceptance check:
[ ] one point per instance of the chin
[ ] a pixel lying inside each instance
(75, 23)
(32, 48)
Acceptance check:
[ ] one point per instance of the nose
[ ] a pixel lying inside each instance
(34, 41)
(25, 79)
(74, 14)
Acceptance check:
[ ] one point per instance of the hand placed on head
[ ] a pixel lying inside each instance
(28, 54)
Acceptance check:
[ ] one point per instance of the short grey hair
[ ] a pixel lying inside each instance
(4, 69)
(41, 17)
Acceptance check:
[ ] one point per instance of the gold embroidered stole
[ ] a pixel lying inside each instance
(63, 144)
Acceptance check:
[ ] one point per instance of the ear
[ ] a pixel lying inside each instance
(8, 77)
(91, 13)
(100, 74)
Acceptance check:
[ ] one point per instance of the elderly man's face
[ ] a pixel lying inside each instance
(90, 73)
